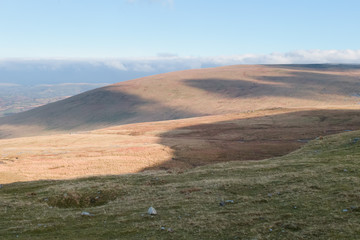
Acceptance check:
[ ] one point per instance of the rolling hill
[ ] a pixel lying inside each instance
(193, 93)
(169, 145)
(305, 187)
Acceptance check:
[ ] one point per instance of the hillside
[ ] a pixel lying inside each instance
(192, 93)
(312, 193)
(170, 145)
(305, 187)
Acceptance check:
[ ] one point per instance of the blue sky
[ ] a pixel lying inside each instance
(184, 28)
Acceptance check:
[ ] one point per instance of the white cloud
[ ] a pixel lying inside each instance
(142, 67)
(294, 57)
(115, 64)
(166, 62)
(63, 71)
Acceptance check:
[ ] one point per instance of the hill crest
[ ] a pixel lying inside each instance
(192, 93)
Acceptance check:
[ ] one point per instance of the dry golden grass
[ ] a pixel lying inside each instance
(192, 93)
(176, 144)
(83, 154)
(312, 193)
(238, 129)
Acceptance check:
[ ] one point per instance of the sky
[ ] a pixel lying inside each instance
(243, 31)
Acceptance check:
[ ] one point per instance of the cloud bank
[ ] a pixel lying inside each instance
(173, 61)
(298, 57)
(56, 71)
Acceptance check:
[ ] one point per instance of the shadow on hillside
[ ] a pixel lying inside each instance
(334, 67)
(252, 138)
(98, 108)
(300, 85)
(113, 105)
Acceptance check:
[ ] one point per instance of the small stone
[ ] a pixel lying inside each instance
(270, 229)
(86, 214)
(162, 228)
(229, 201)
(152, 211)
(269, 195)
(169, 230)
(345, 170)
(295, 207)
(345, 210)
(222, 203)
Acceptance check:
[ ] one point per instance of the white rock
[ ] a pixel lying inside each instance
(152, 211)
(87, 214)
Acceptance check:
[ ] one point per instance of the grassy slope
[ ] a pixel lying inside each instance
(301, 195)
(177, 144)
(191, 93)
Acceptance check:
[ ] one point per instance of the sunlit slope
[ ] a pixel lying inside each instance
(312, 193)
(176, 144)
(193, 93)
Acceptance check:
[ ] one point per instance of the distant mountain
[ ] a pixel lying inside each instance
(192, 93)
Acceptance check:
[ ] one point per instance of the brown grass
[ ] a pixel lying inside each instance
(177, 144)
(312, 193)
(192, 93)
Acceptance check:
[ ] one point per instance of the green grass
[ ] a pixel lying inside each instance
(313, 193)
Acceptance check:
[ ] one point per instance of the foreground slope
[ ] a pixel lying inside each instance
(176, 144)
(312, 193)
(192, 93)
